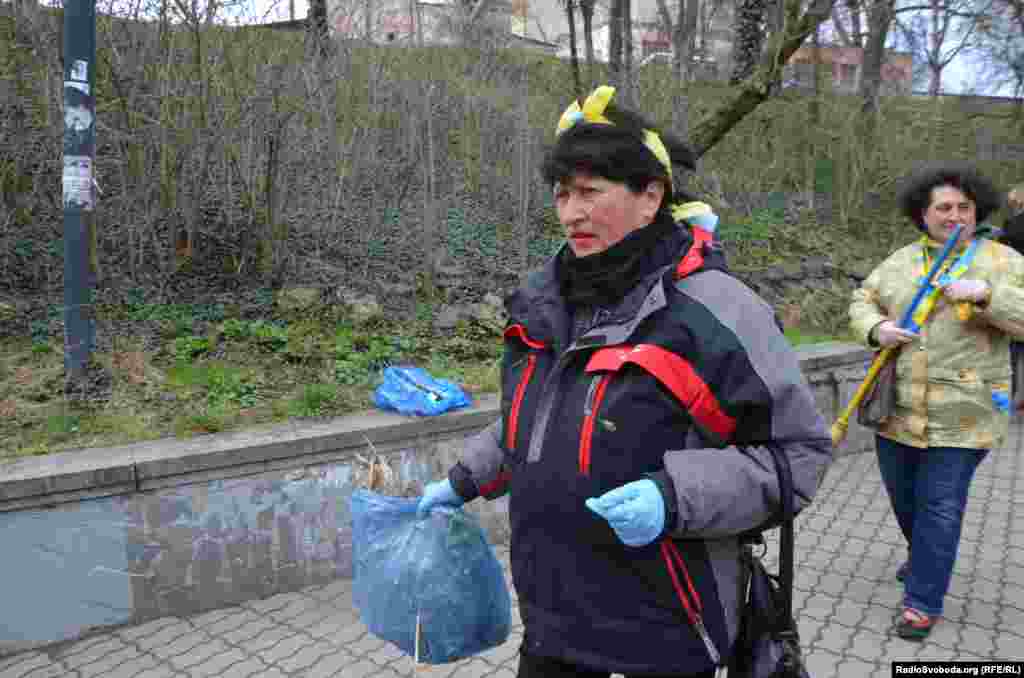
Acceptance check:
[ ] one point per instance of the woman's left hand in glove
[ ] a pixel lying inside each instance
(968, 289)
(636, 511)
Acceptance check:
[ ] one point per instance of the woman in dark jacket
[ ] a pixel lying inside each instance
(1013, 236)
(641, 388)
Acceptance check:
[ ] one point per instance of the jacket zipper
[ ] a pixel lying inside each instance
(517, 401)
(595, 395)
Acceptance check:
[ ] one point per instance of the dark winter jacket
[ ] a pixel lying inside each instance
(683, 381)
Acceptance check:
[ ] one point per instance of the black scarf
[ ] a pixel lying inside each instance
(605, 278)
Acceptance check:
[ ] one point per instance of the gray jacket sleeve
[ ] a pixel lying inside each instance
(730, 490)
(481, 468)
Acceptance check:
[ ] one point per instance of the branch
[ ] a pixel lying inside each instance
(756, 89)
(844, 37)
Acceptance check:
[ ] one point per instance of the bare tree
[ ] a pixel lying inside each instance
(757, 87)
(948, 30)
(1000, 51)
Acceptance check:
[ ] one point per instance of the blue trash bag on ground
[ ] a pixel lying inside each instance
(411, 390)
(440, 568)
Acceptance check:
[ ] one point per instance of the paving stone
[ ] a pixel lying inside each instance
(105, 666)
(238, 618)
(365, 645)
(386, 654)
(332, 664)
(819, 606)
(1013, 594)
(406, 667)
(334, 590)
(338, 627)
(501, 654)
(821, 663)
(132, 633)
(979, 613)
(91, 650)
(277, 643)
(164, 636)
(216, 665)
(308, 656)
(473, 668)
(847, 613)
(158, 672)
(181, 645)
(272, 603)
(207, 618)
(854, 668)
(361, 668)
(51, 671)
(976, 640)
(296, 607)
(251, 667)
(834, 637)
(20, 664)
(865, 645)
(203, 653)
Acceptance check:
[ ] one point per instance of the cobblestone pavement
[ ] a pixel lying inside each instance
(848, 549)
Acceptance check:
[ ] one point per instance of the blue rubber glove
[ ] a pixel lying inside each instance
(439, 493)
(636, 511)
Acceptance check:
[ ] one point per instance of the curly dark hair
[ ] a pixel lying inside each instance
(916, 194)
(617, 152)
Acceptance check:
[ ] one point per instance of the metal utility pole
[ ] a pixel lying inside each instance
(78, 184)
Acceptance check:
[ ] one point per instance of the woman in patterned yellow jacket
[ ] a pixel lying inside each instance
(952, 377)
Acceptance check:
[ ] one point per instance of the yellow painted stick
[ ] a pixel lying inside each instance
(841, 424)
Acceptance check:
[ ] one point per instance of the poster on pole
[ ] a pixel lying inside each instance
(77, 181)
(79, 119)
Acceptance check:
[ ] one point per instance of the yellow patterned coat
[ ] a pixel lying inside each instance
(945, 379)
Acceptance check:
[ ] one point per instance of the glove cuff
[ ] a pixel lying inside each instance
(462, 482)
(668, 497)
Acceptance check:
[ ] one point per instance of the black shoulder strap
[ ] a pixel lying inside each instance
(786, 541)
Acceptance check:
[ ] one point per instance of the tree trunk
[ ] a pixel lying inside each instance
(574, 58)
(615, 43)
(749, 39)
(856, 32)
(587, 12)
(628, 86)
(879, 21)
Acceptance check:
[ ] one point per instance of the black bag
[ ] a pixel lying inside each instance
(768, 645)
(878, 404)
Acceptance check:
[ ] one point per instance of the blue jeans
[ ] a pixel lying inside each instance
(928, 490)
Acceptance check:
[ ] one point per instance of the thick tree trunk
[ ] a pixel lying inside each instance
(879, 21)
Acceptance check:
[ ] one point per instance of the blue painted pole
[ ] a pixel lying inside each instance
(78, 183)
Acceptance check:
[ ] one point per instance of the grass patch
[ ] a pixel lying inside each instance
(212, 374)
(236, 373)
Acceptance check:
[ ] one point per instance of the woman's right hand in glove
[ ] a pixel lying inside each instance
(439, 493)
(887, 333)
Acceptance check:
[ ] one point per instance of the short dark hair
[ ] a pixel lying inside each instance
(615, 152)
(916, 194)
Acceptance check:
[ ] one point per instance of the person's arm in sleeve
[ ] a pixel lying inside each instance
(716, 492)
(866, 311)
(1004, 307)
(482, 470)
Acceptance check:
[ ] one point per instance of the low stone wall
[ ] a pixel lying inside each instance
(108, 536)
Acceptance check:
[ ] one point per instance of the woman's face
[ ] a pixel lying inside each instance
(947, 208)
(597, 213)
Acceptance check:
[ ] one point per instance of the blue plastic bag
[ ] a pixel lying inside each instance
(411, 390)
(439, 568)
